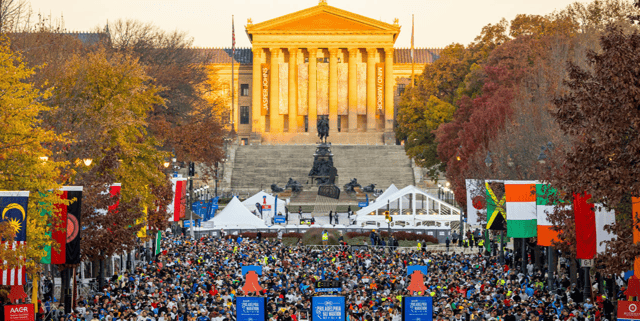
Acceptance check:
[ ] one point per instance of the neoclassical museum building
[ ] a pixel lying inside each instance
(318, 62)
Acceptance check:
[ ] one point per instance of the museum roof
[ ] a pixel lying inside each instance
(245, 55)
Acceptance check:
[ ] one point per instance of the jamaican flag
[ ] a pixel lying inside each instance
(496, 205)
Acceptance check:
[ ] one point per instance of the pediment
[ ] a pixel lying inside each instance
(322, 18)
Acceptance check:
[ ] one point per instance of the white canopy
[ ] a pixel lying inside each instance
(388, 192)
(235, 215)
(250, 203)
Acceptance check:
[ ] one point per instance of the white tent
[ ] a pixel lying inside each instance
(235, 215)
(388, 192)
(250, 203)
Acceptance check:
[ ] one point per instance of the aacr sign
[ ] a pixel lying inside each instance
(19, 312)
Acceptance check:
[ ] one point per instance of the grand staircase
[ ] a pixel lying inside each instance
(256, 167)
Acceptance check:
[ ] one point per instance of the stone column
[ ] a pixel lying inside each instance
(353, 91)
(257, 120)
(388, 90)
(275, 119)
(293, 90)
(313, 110)
(371, 90)
(333, 89)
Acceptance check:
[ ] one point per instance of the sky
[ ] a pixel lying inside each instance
(438, 23)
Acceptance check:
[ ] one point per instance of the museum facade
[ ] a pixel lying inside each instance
(318, 62)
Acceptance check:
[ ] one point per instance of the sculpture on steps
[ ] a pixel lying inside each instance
(371, 188)
(323, 129)
(294, 185)
(349, 187)
(276, 189)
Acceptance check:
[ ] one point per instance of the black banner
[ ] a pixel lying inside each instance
(74, 226)
(330, 191)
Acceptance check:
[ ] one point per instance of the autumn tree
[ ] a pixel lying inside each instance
(600, 111)
(26, 163)
(104, 99)
(189, 124)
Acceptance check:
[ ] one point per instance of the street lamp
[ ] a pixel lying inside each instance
(488, 161)
(166, 164)
(542, 158)
(87, 161)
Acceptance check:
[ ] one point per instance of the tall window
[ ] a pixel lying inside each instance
(244, 89)
(244, 115)
(401, 89)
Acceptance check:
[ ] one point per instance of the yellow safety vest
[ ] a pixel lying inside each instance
(419, 246)
(325, 236)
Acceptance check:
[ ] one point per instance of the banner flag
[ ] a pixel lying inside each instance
(158, 242)
(14, 205)
(496, 209)
(476, 200)
(591, 218)
(521, 208)
(47, 248)
(74, 225)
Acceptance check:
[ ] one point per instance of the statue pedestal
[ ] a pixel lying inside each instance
(322, 164)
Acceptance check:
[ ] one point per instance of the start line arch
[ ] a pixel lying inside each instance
(409, 206)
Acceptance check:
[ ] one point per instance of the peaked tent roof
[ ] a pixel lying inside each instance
(250, 203)
(321, 18)
(236, 215)
(389, 191)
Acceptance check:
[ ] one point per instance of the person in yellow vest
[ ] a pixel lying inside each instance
(325, 237)
(419, 246)
(480, 245)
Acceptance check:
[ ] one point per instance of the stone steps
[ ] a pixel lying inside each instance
(259, 166)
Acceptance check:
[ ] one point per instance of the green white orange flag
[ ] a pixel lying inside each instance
(521, 208)
(545, 206)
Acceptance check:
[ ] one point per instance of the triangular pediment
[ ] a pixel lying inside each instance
(322, 18)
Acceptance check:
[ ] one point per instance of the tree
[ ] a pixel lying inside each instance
(601, 112)
(26, 163)
(104, 100)
(187, 123)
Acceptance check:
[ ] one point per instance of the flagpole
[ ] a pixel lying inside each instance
(233, 58)
(412, 56)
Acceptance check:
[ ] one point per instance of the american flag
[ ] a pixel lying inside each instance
(233, 38)
(14, 211)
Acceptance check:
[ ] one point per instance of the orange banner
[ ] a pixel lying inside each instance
(380, 88)
(264, 102)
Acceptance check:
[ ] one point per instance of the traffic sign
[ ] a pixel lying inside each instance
(363, 204)
(279, 219)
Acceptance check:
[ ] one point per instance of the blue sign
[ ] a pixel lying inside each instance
(250, 309)
(363, 204)
(328, 308)
(187, 223)
(417, 308)
(421, 268)
(329, 290)
(279, 219)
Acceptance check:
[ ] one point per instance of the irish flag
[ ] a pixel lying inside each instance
(521, 208)
(545, 206)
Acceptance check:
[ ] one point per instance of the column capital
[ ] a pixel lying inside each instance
(275, 51)
(388, 51)
(372, 51)
(257, 52)
(292, 49)
(333, 52)
(353, 52)
(312, 51)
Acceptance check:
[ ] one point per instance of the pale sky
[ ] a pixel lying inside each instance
(437, 22)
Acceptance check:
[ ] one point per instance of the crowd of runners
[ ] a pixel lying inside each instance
(199, 280)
